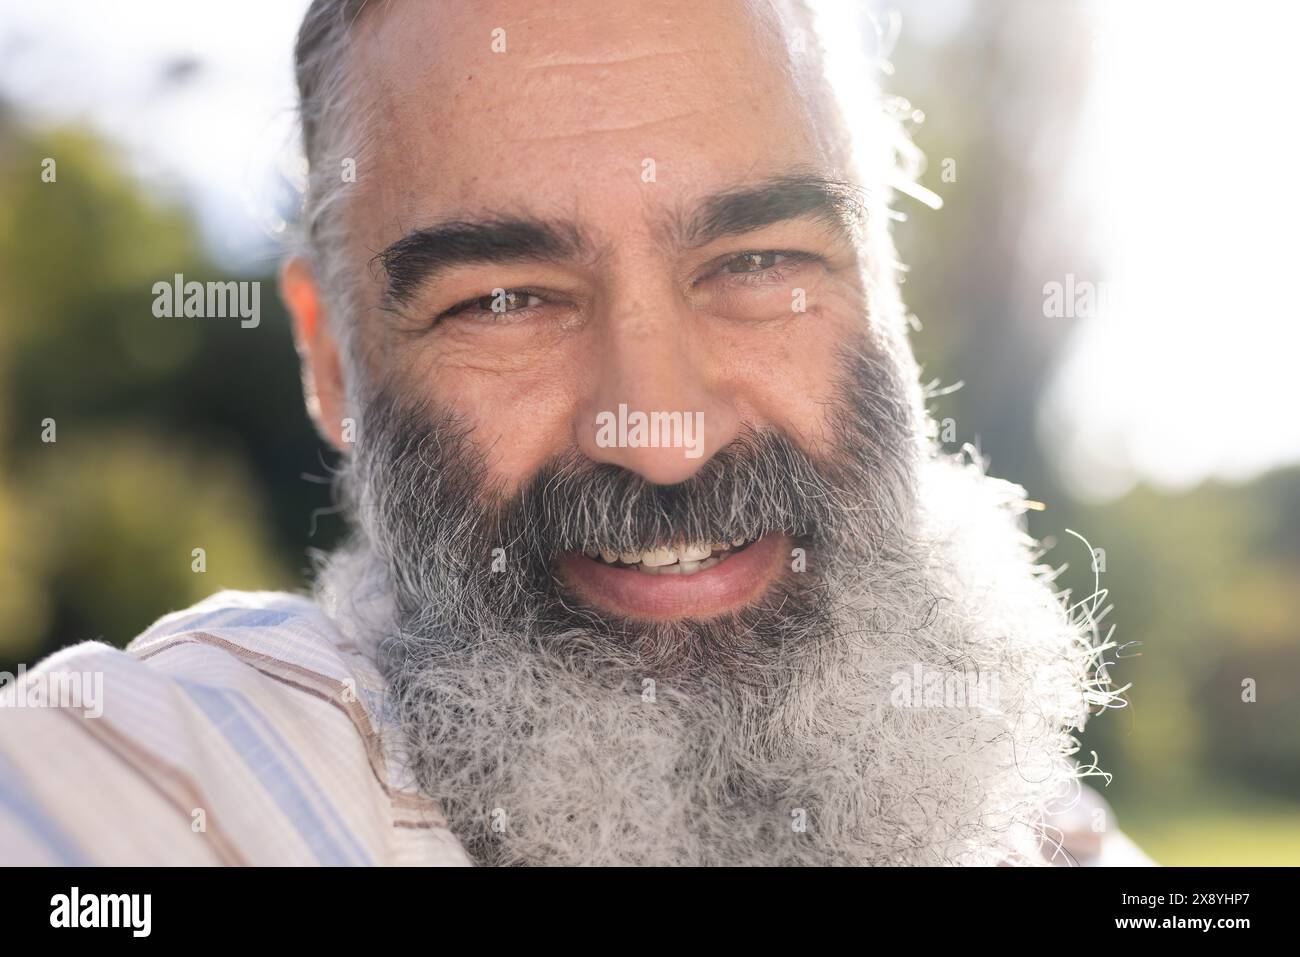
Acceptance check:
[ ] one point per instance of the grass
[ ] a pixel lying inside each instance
(1215, 830)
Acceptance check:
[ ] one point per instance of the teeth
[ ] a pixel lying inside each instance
(658, 557)
(682, 560)
(683, 568)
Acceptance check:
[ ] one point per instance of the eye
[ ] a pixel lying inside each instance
(762, 265)
(499, 302)
(753, 262)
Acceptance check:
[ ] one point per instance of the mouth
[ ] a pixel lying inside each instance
(684, 581)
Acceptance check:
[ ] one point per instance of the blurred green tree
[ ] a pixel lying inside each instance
(168, 434)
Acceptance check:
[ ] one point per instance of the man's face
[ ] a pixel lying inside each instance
(663, 232)
(661, 653)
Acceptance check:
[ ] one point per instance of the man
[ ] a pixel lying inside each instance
(655, 560)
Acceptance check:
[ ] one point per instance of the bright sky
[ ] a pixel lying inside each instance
(1187, 164)
(1190, 144)
(224, 136)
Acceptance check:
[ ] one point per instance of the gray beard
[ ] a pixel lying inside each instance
(836, 722)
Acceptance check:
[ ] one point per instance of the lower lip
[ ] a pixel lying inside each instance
(737, 581)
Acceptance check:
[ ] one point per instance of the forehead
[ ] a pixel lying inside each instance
(583, 108)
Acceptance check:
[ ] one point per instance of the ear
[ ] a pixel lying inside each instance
(323, 383)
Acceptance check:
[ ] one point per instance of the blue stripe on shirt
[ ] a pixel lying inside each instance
(15, 798)
(254, 750)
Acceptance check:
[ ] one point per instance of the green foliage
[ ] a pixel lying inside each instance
(121, 546)
(1206, 581)
(170, 434)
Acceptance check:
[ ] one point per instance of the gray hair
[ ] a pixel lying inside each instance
(330, 137)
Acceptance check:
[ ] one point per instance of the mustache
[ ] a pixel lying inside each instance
(758, 484)
(419, 483)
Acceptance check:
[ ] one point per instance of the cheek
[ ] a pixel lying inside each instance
(519, 407)
(789, 371)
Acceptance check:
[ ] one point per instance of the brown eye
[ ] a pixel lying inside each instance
(498, 302)
(752, 262)
(505, 300)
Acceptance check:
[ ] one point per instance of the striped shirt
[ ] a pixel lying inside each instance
(243, 730)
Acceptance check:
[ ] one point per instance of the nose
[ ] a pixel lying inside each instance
(656, 404)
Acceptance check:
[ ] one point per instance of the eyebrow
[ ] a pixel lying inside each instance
(744, 209)
(422, 255)
(418, 257)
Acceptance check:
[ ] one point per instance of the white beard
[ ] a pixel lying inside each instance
(562, 754)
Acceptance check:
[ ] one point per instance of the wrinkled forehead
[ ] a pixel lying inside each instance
(480, 105)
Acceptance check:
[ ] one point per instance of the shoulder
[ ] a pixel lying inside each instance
(1084, 833)
(244, 729)
(253, 641)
